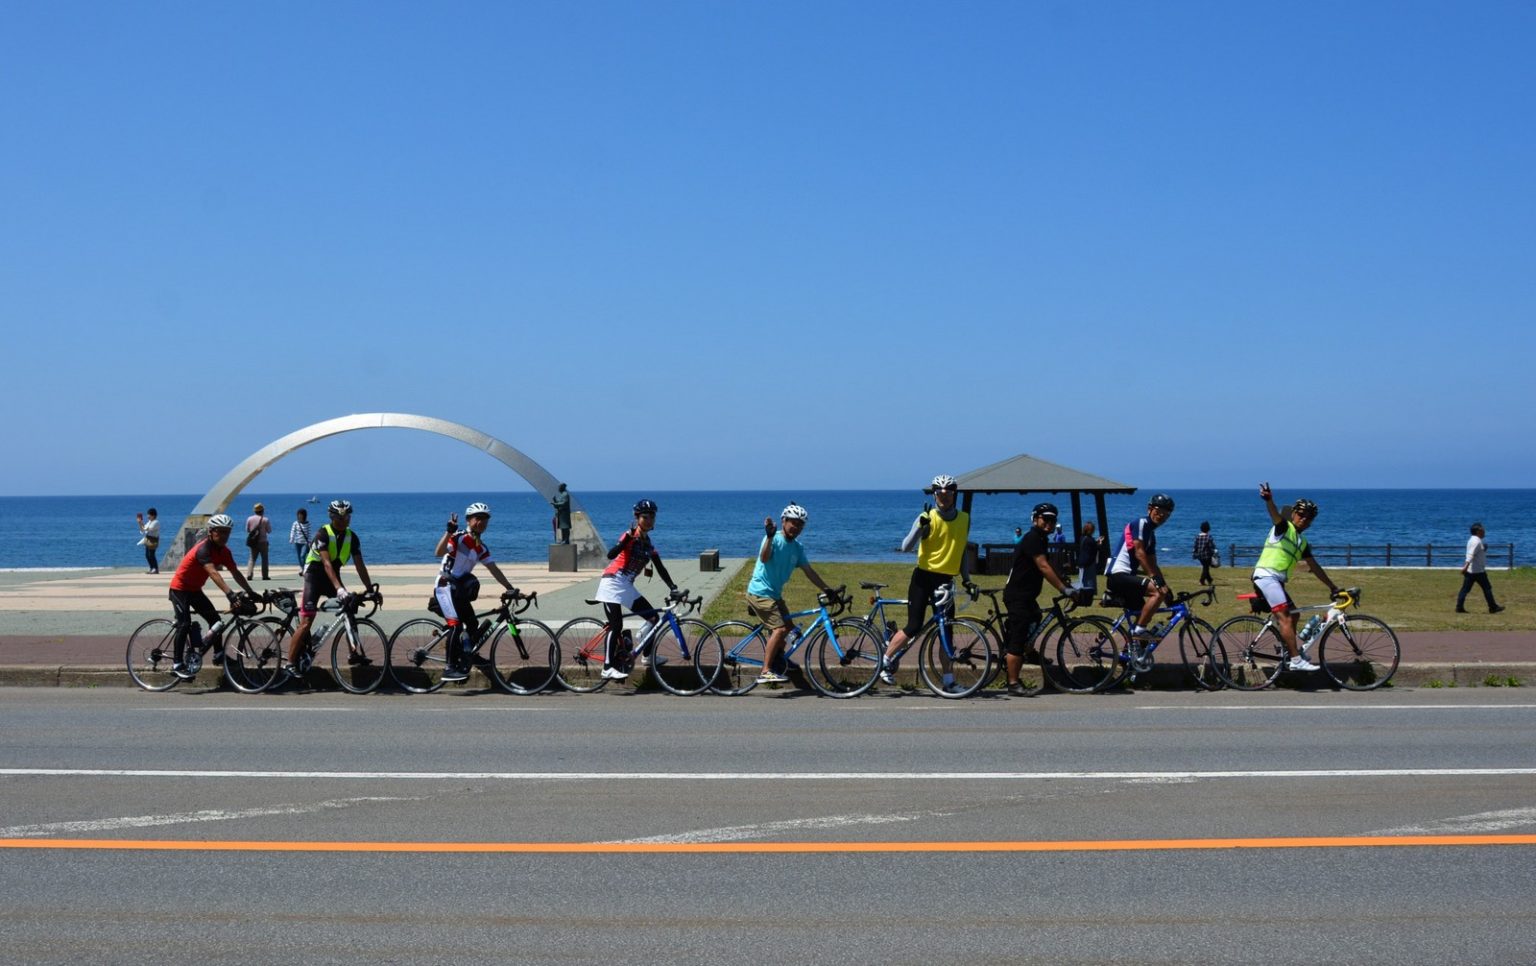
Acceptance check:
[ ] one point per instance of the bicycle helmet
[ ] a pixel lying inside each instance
(1045, 510)
(1304, 508)
(944, 481)
(795, 512)
(645, 506)
(340, 507)
(476, 510)
(220, 521)
(1161, 501)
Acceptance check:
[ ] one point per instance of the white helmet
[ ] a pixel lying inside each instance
(476, 509)
(944, 480)
(795, 512)
(220, 521)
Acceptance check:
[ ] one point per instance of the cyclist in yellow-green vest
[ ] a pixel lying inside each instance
(1284, 545)
(334, 545)
(939, 535)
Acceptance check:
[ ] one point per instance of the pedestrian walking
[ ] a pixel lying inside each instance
(1475, 571)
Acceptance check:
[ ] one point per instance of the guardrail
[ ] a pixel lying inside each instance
(1377, 555)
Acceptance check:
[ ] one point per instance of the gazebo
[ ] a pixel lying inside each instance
(1030, 474)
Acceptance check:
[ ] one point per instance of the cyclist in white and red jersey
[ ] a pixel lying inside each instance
(201, 564)
(457, 586)
(616, 590)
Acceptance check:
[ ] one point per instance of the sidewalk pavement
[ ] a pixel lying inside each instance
(70, 627)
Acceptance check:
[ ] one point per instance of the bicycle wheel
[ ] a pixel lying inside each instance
(362, 667)
(582, 642)
(1195, 637)
(255, 661)
(843, 664)
(960, 670)
(418, 655)
(150, 655)
(1364, 655)
(1088, 656)
(1252, 654)
(524, 657)
(683, 673)
(743, 647)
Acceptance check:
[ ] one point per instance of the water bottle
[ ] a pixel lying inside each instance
(1156, 631)
(1310, 631)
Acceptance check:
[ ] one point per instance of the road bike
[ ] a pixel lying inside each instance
(1357, 652)
(357, 644)
(520, 655)
(842, 657)
(151, 647)
(1090, 658)
(667, 649)
(955, 654)
(1033, 675)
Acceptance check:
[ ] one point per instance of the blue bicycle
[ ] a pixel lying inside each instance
(955, 654)
(1091, 658)
(841, 656)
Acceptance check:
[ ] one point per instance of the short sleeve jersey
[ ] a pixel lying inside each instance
(768, 579)
(634, 556)
(1125, 560)
(192, 573)
(1024, 578)
(464, 551)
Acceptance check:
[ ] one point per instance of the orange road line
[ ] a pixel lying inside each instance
(737, 848)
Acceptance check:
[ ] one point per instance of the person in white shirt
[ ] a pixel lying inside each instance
(149, 537)
(1475, 571)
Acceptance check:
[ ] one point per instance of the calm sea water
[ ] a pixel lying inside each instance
(99, 531)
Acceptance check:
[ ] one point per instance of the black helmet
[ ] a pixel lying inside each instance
(340, 507)
(1161, 501)
(1304, 508)
(645, 506)
(1045, 510)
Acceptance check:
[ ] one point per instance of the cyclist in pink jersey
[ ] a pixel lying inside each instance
(616, 590)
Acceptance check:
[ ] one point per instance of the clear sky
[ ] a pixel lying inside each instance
(712, 245)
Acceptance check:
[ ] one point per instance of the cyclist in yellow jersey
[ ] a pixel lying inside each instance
(1283, 546)
(939, 536)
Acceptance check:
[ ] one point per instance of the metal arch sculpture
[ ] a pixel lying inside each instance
(589, 546)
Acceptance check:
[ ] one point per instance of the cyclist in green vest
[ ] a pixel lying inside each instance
(334, 545)
(1283, 546)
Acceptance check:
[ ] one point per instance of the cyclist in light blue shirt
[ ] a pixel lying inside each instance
(777, 561)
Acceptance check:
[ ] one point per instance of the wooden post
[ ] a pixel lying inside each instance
(1389, 555)
(1429, 555)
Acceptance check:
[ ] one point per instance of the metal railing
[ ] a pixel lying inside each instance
(1379, 555)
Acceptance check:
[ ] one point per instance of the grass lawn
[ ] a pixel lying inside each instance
(1408, 599)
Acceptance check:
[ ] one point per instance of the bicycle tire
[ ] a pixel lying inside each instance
(845, 663)
(1252, 654)
(372, 648)
(529, 668)
(968, 661)
(743, 647)
(255, 662)
(151, 652)
(1088, 656)
(1367, 657)
(674, 663)
(1195, 639)
(1032, 674)
(582, 642)
(417, 655)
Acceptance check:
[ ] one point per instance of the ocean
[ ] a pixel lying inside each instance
(99, 531)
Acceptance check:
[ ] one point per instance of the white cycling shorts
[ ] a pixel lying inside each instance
(1275, 594)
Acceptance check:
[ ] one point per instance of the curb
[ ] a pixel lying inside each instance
(1162, 678)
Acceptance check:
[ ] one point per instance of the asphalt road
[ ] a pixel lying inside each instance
(1273, 827)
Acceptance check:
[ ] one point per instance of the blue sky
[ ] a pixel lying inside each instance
(739, 245)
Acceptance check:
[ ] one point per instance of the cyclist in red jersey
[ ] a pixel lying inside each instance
(457, 586)
(201, 563)
(616, 590)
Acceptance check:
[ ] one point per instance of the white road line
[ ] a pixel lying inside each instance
(426, 709)
(1469, 824)
(206, 815)
(884, 776)
(736, 833)
(1337, 708)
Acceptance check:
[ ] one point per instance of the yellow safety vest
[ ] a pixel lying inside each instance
(944, 548)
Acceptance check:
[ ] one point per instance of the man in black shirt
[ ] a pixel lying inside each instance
(1031, 569)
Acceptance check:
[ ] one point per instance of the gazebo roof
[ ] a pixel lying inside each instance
(1029, 474)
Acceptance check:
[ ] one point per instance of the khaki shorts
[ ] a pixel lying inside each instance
(772, 613)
